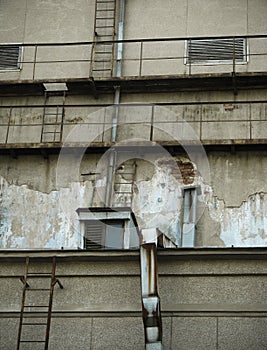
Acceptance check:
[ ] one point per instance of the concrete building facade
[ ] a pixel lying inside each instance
(156, 110)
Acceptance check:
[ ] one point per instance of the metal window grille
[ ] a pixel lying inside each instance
(10, 55)
(216, 51)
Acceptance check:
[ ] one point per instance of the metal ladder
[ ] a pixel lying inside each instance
(123, 184)
(29, 310)
(104, 33)
(53, 118)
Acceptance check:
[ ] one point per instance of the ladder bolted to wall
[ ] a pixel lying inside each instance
(30, 311)
(104, 32)
(124, 183)
(53, 118)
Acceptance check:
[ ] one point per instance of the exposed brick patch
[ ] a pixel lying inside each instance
(184, 172)
(188, 172)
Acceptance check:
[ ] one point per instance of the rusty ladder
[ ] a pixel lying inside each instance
(104, 33)
(53, 118)
(26, 309)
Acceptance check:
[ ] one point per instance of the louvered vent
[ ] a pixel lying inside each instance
(10, 56)
(216, 51)
(94, 231)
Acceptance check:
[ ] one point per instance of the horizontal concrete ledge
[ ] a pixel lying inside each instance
(179, 274)
(84, 308)
(136, 78)
(213, 253)
(117, 255)
(174, 310)
(71, 255)
(68, 314)
(203, 308)
(155, 83)
(148, 144)
(15, 150)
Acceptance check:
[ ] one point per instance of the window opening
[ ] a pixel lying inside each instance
(105, 234)
(189, 216)
(108, 228)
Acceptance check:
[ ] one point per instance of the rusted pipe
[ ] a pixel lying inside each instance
(150, 298)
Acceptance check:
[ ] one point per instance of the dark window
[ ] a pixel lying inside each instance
(190, 194)
(106, 234)
(216, 51)
(10, 56)
(114, 234)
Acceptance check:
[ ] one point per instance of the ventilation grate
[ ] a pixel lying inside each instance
(10, 56)
(216, 51)
(93, 237)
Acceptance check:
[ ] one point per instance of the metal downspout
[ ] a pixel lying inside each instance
(150, 298)
(115, 118)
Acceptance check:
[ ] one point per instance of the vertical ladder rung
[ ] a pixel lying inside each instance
(32, 308)
(57, 120)
(105, 1)
(105, 26)
(104, 11)
(103, 18)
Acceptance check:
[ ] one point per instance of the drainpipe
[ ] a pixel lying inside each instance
(120, 37)
(149, 290)
(117, 97)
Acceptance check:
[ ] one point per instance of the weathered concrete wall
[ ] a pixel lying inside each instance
(31, 21)
(185, 17)
(39, 196)
(38, 210)
(37, 213)
(204, 122)
(158, 202)
(46, 21)
(238, 203)
(34, 211)
(188, 18)
(213, 302)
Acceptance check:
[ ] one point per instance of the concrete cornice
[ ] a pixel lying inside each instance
(259, 253)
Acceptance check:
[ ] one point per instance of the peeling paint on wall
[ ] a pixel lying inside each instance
(243, 226)
(30, 218)
(33, 219)
(157, 203)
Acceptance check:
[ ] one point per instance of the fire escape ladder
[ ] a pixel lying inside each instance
(36, 306)
(124, 184)
(53, 118)
(104, 32)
